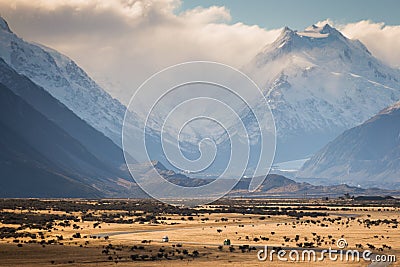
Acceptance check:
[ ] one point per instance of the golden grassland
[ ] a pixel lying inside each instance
(197, 239)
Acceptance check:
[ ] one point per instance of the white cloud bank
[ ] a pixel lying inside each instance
(383, 41)
(125, 41)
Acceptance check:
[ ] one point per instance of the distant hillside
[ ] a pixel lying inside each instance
(280, 186)
(367, 155)
(273, 186)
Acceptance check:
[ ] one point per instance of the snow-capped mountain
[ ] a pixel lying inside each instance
(64, 80)
(318, 84)
(366, 155)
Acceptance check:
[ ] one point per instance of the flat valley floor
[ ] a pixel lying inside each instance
(114, 232)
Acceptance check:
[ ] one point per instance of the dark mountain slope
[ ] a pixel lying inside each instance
(368, 154)
(26, 172)
(95, 142)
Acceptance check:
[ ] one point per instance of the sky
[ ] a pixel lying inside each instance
(120, 43)
(271, 14)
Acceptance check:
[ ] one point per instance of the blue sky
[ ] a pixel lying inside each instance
(297, 14)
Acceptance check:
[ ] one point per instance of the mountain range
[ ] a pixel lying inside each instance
(61, 132)
(272, 186)
(318, 83)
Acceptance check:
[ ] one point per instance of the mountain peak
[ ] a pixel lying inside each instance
(4, 25)
(286, 34)
(330, 30)
(286, 39)
(320, 32)
(290, 39)
(327, 28)
(287, 30)
(158, 165)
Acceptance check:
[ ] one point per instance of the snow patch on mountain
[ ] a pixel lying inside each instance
(64, 80)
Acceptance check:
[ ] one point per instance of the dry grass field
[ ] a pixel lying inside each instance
(130, 232)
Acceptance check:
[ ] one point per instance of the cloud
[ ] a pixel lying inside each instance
(382, 40)
(121, 43)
